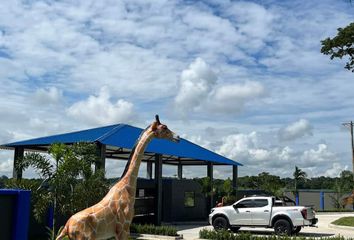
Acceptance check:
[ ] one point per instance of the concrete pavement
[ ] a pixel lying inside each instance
(191, 232)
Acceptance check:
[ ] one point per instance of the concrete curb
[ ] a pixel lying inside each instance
(334, 213)
(340, 227)
(156, 237)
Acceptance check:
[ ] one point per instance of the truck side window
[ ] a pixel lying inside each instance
(245, 204)
(260, 202)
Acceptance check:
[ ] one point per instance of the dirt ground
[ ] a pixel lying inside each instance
(323, 229)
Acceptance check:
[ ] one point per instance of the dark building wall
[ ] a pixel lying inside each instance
(173, 200)
(174, 208)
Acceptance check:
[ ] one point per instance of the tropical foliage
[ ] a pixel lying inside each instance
(275, 185)
(299, 176)
(67, 180)
(341, 45)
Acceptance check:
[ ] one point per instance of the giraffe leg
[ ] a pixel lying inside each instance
(119, 231)
(124, 236)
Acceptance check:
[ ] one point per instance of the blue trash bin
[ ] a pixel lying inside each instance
(15, 210)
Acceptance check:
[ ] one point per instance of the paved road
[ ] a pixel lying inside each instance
(191, 232)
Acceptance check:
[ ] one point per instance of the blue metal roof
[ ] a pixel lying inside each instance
(124, 136)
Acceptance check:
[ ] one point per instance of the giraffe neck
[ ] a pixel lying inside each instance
(131, 173)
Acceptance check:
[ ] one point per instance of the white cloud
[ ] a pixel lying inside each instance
(336, 169)
(295, 130)
(46, 96)
(6, 137)
(233, 97)
(196, 83)
(256, 157)
(315, 157)
(138, 49)
(199, 140)
(255, 23)
(6, 163)
(199, 91)
(100, 110)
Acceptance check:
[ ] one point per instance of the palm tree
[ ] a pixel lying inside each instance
(66, 179)
(299, 176)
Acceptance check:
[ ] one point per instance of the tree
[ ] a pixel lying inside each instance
(227, 187)
(270, 183)
(341, 45)
(346, 181)
(299, 176)
(343, 185)
(206, 186)
(68, 183)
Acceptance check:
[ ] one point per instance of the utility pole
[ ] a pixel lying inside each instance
(350, 125)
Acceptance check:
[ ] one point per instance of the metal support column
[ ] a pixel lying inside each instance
(158, 183)
(180, 171)
(210, 176)
(101, 152)
(234, 178)
(149, 170)
(18, 157)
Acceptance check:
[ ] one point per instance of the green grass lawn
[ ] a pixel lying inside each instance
(345, 221)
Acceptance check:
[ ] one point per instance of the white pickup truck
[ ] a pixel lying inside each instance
(262, 212)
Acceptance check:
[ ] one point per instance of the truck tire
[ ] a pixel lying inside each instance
(220, 223)
(235, 229)
(282, 227)
(296, 230)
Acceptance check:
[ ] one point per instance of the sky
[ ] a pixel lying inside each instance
(245, 79)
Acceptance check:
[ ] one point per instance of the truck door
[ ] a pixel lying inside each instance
(242, 214)
(261, 212)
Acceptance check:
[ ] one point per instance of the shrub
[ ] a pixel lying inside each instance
(152, 229)
(227, 235)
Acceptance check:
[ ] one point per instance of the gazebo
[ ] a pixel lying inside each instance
(116, 142)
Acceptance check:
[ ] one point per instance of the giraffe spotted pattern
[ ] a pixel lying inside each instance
(112, 216)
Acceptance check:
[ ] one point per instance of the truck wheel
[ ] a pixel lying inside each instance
(220, 223)
(296, 230)
(282, 227)
(235, 229)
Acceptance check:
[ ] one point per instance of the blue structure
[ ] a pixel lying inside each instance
(15, 215)
(121, 137)
(322, 200)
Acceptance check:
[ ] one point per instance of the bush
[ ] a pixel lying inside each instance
(227, 235)
(152, 229)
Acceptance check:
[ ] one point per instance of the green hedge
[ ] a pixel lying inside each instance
(152, 229)
(226, 235)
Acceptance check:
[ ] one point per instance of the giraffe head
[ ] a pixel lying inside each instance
(161, 131)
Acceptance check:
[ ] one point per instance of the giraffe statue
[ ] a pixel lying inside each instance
(349, 200)
(112, 216)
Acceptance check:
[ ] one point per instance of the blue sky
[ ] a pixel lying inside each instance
(243, 78)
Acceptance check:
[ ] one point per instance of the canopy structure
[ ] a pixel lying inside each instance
(119, 139)
(116, 142)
